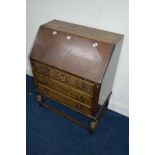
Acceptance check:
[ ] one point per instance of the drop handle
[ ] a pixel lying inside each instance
(43, 70)
(61, 77)
(80, 86)
(80, 98)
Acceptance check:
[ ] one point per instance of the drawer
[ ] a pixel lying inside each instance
(65, 78)
(65, 100)
(66, 90)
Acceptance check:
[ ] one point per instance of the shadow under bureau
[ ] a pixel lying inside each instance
(75, 66)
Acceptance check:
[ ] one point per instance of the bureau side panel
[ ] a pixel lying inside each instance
(108, 79)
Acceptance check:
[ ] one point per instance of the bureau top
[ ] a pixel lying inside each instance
(84, 31)
(76, 49)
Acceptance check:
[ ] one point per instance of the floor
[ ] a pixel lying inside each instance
(50, 134)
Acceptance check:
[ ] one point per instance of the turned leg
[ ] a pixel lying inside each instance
(39, 98)
(92, 125)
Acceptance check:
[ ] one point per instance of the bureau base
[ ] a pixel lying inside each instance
(93, 121)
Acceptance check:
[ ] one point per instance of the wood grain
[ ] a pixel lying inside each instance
(65, 100)
(56, 50)
(66, 90)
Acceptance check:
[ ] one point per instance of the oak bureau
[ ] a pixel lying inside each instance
(75, 66)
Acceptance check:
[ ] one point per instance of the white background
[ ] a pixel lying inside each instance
(103, 14)
(13, 70)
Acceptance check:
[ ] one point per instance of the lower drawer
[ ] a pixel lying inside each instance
(66, 90)
(65, 100)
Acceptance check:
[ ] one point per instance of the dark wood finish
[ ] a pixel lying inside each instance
(84, 31)
(64, 78)
(65, 100)
(56, 50)
(75, 66)
(93, 120)
(66, 90)
(63, 115)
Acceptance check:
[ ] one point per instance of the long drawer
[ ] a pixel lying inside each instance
(64, 78)
(65, 100)
(66, 90)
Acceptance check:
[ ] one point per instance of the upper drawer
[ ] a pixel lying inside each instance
(65, 78)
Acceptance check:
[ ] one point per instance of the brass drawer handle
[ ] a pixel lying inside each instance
(61, 77)
(80, 98)
(80, 86)
(43, 70)
(84, 87)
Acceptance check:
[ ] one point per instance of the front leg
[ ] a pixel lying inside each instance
(92, 125)
(39, 97)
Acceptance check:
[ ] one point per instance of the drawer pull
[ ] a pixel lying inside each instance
(61, 77)
(80, 98)
(43, 70)
(80, 86)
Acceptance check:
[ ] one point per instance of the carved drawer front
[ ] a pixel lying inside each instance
(65, 78)
(65, 100)
(66, 90)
